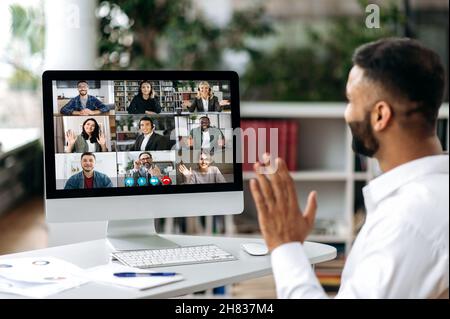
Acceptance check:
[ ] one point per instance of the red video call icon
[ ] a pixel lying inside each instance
(166, 180)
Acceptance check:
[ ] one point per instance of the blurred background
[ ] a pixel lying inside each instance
(292, 57)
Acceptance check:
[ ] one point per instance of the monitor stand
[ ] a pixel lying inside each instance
(136, 234)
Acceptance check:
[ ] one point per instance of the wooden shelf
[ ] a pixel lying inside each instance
(309, 176)
(292, 110)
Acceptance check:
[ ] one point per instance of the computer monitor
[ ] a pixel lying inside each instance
(132, 146)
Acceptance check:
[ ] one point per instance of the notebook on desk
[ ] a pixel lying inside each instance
(105, 274)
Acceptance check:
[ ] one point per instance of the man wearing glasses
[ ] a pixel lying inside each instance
(84, 104)
(144, 167)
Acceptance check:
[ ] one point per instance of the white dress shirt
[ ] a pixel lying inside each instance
(205, 104)
(205, 139)
(401, 251)
(145, 141)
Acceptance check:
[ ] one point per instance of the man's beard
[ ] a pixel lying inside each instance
(364, 141)
(147, 165)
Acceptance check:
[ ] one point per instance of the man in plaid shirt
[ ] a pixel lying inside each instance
(84, 104)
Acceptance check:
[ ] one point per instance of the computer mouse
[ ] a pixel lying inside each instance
(255, 249)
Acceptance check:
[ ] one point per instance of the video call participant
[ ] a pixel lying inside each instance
(206, 137)
(148, 140)
(206, 174)
(144, 167)
(395, 89)
(91, 139)
(206, 101)
(88, 177)
(84, 104)
(145, 102)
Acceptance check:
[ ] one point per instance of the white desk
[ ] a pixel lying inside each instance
(198, 277)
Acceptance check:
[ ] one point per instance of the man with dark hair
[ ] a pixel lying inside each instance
(88, 177)
(395, 89)
(84, 104)
(206, 137)
(148, 140)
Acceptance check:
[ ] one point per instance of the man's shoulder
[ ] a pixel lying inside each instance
(93, 98)
(102, 175)
(214, 169)
(75, 176)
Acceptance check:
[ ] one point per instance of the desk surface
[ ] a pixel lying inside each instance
(198, 277)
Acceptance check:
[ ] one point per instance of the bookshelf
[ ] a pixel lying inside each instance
(325, 162)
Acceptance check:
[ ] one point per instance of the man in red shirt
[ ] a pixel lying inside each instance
(88, 177)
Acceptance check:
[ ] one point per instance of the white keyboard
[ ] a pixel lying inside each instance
(148, 258)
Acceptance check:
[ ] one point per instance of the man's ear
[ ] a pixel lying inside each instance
(382, 115)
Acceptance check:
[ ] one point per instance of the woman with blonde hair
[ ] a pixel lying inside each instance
(205, 100)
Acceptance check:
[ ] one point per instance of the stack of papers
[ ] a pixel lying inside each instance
(105, 274)
(44, 276)
(39, 277)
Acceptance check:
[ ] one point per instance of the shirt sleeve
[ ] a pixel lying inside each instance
(217, 105)
(218, 176)
(294, 277)
(68, 108)
(99, 105)
(132, 108)
(108, 182)
(72, 183)
(193, 105)
(157, 105)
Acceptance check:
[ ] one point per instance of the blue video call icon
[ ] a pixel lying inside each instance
(154, 180)
(142, 181)
(129, 181)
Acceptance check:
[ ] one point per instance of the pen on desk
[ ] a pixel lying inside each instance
(142, 274)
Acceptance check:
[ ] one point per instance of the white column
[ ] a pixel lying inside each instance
(71, 31)
(218, 12)
(71, 34)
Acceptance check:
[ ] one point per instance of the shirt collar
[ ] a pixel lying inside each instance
(384, 185)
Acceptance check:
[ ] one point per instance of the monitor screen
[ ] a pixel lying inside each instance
(133, 132)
